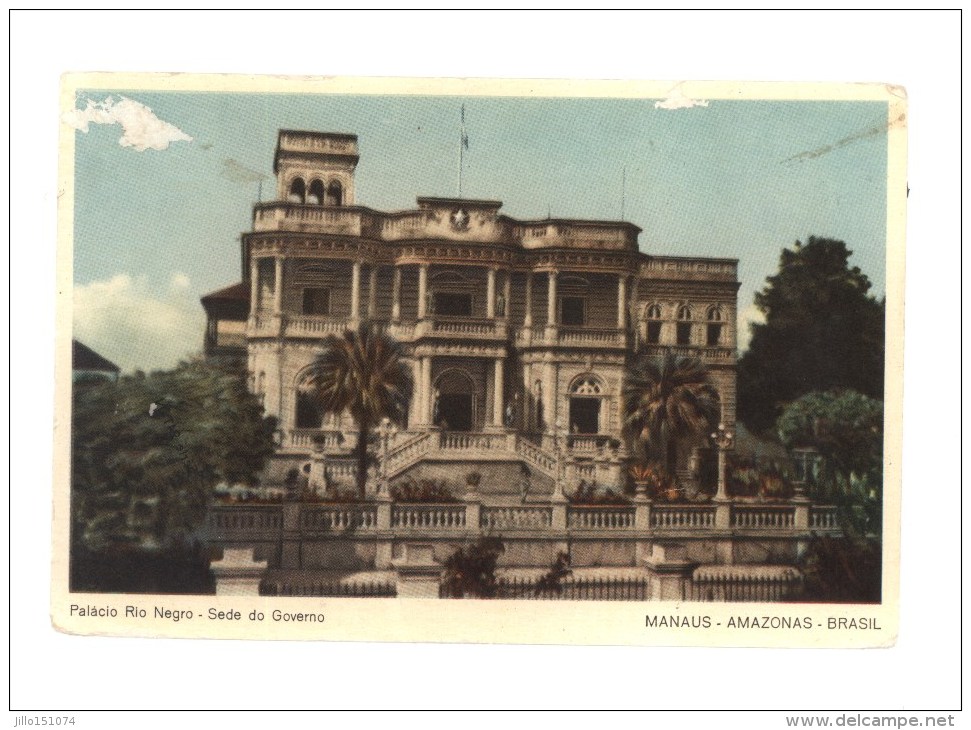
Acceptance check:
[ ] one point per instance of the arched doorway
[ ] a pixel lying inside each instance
(586, 395)
(455, 402)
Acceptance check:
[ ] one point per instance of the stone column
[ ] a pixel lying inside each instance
(497, 392)
(396, 295)
(278, 285)
(622, 301)
(491, 293)
(528, 316)
(426, 389)
(551, 301)
(670, 572)
(372, 294)
(254, 292)
(418, 573)
(238, 573)
(507, 295)
(415, 412)
(384, 546)
(422, 290)
(356, 290)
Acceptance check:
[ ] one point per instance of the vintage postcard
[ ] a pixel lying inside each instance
(479, 360)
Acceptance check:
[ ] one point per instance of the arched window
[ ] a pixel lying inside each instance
(684, 325)
(316, 194)
(713, 332)
(298, 191)
(654, 324)
(335, 194)
(586, 385)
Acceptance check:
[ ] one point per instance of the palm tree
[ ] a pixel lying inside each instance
(667, 400)
(363, 372)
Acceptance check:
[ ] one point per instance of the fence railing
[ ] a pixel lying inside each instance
(757, 583)
(360, 589)
(569, 589)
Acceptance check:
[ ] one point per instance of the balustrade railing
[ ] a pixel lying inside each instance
(536, 456)
(505, 518)
(306, 438)
(466, 327)
(313, 326)
(682, 517)
(472, 441)
(428, 516)
(823, 518)
(600, 518)
(339, 517)
(589, 336)
(225, 521)
(587, 444)
(757, 517)
(403, 455)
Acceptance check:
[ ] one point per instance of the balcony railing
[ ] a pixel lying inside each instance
(716, 354)
(599, 337)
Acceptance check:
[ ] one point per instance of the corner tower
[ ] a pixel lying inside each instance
(315, 168)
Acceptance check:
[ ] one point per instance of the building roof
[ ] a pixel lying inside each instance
(235, 292)
(84, 358)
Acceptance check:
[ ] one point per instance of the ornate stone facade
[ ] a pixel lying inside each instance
(520, 330)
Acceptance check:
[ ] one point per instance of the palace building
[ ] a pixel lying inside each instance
(518, 332)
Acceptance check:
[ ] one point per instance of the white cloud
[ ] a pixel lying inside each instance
(677, 100)
(141, 129)
(745, 317)
(123, 320)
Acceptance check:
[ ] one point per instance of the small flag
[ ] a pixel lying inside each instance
(465, 137)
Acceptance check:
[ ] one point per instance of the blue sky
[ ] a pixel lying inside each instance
(156, 229)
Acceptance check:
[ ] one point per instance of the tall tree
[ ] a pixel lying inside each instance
(147, 451)
(364, 373)
(668, 400)
(822, 330)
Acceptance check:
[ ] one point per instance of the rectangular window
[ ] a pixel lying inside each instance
(448, 304)
(684, 333)
(316, 301)
(653, 333)
(714, 335)
(572, 311)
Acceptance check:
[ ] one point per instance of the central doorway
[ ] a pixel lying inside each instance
(455, 401)
(455, 411)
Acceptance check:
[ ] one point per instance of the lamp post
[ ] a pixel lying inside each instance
(806, 460)
(386, 431)
(724, 439)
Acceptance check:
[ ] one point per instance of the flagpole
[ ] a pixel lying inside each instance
(461, 148)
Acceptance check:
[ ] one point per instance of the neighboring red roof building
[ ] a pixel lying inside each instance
(86, 361)
(226, 313)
